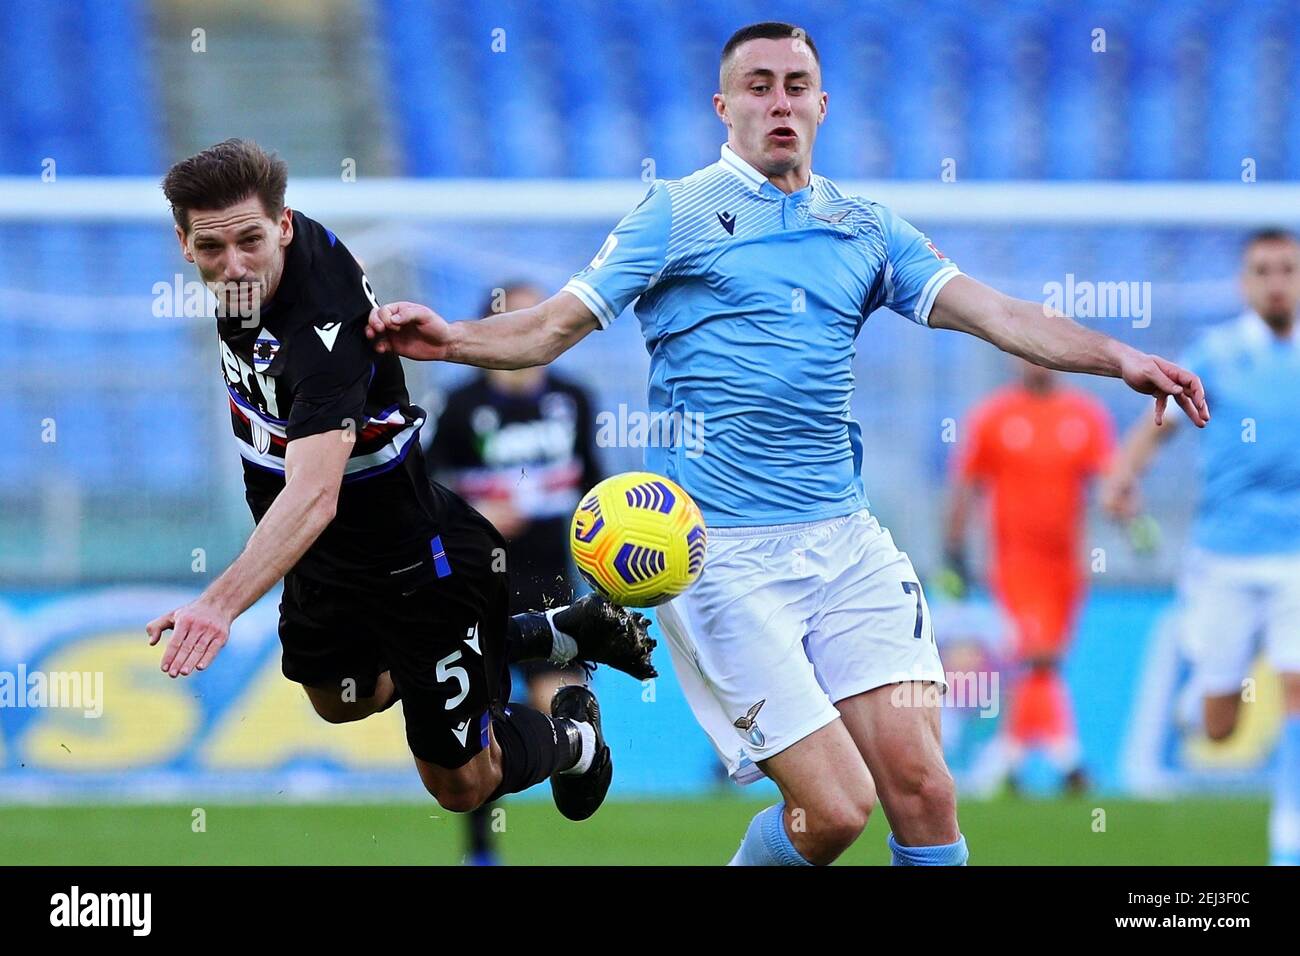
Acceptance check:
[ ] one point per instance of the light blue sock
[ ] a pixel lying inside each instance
(949, 854)
(1284, 819)
(766, 843)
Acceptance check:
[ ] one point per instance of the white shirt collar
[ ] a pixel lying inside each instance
(1258, 332)
(741, 169)
(1254, 327)
(748, 174)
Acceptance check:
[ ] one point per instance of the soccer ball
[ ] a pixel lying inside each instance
(638, 539)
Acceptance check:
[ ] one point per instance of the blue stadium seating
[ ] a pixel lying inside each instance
(1007, 90)
(78, 91)
(1182, 90)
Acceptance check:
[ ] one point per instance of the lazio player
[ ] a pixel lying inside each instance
(752, 278)
(1241, 580)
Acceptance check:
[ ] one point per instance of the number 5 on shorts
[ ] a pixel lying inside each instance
(446, 673)
(911, 587)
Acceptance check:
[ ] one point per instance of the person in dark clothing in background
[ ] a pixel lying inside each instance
(518, 445)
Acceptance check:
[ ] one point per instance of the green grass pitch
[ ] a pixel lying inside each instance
(701, 832)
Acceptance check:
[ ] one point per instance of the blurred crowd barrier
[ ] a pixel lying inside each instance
(86, 714)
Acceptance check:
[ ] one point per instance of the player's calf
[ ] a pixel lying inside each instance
(922, 802)
(901, 745)
(805, 833)
(829, 795)
(465, 788)
(522, 748)
(833, 828)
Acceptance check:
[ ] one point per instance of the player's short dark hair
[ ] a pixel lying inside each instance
(223, 175)
(1268, 234)
(767, 30)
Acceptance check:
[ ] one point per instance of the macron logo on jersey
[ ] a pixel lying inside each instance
(328, 333)
(728, 221)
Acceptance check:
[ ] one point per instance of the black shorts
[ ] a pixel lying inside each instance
(439, 629)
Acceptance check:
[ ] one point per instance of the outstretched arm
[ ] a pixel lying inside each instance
(964, 496)
(1119, 488)
(954, 578)
(518, 339)
(313, 469)
(1048, 338)
(624, 267)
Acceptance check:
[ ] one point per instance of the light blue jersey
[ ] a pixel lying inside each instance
(750, 301)
(1250, 450)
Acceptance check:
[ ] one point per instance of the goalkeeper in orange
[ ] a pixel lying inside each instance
(1033, 447)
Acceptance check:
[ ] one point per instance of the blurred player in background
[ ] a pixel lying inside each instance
(974, 638)
(1033, 447)
(518, 446)
(753, 277)
(1241, 580)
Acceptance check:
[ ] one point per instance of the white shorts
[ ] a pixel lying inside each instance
(1232, 604)
(786, 621)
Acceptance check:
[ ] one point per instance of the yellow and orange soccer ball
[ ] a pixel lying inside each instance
(638, 539)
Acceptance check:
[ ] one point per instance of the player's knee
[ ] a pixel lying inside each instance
(1291, 691)
(1219, 727)
(833, 826)
(927, 791)
(458, 799)
(938, 794)
(457, 792)
(337, 716)
(1220, 718)
(338, 712)
(832, 831)
(332, 708)
(846, 824)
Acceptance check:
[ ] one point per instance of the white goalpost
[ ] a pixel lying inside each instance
(137, 199)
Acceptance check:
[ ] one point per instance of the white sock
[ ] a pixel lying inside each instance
(588, 752)
(563, 647)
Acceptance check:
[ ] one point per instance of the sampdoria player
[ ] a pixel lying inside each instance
(754, 277)
(393, 586)
(1241, 577)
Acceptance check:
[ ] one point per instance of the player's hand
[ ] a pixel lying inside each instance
(1119, 496)
(199, 631)
(954, 577)
(409, 329)
(505, 517)
(1152, 375)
